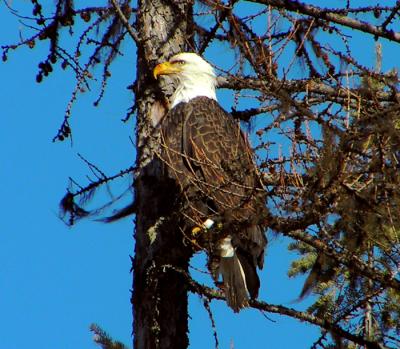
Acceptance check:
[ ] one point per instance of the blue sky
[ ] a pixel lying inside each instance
(55, 280)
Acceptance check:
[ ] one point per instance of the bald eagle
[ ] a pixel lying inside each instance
(220, 198)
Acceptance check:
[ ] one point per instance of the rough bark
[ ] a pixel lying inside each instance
(159, 294)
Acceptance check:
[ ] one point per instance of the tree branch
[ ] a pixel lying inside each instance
(350, 260)
(125, 22)
(299, 86)
(211, 293)
(325, 14)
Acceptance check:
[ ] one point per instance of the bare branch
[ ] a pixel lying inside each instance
(282, 310)
(124, 21)
(326, 14)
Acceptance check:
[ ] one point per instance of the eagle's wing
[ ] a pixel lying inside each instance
(219, 160)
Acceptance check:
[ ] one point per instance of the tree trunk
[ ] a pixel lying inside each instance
(159, 294)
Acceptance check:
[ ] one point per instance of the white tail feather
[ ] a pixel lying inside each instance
(233, 276)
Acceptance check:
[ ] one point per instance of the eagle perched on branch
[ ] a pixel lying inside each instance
(220, 197)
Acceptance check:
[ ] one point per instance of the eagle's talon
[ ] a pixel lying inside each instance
(196, 231)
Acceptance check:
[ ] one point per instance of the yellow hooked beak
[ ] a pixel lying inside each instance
(165, 69)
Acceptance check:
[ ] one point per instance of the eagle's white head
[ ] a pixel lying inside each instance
(195, 77)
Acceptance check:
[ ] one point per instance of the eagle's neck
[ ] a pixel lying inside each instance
(190, 87)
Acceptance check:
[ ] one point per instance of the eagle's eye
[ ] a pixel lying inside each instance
(179, 62)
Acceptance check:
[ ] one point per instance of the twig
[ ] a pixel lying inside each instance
(125, 22)
(325, 14)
